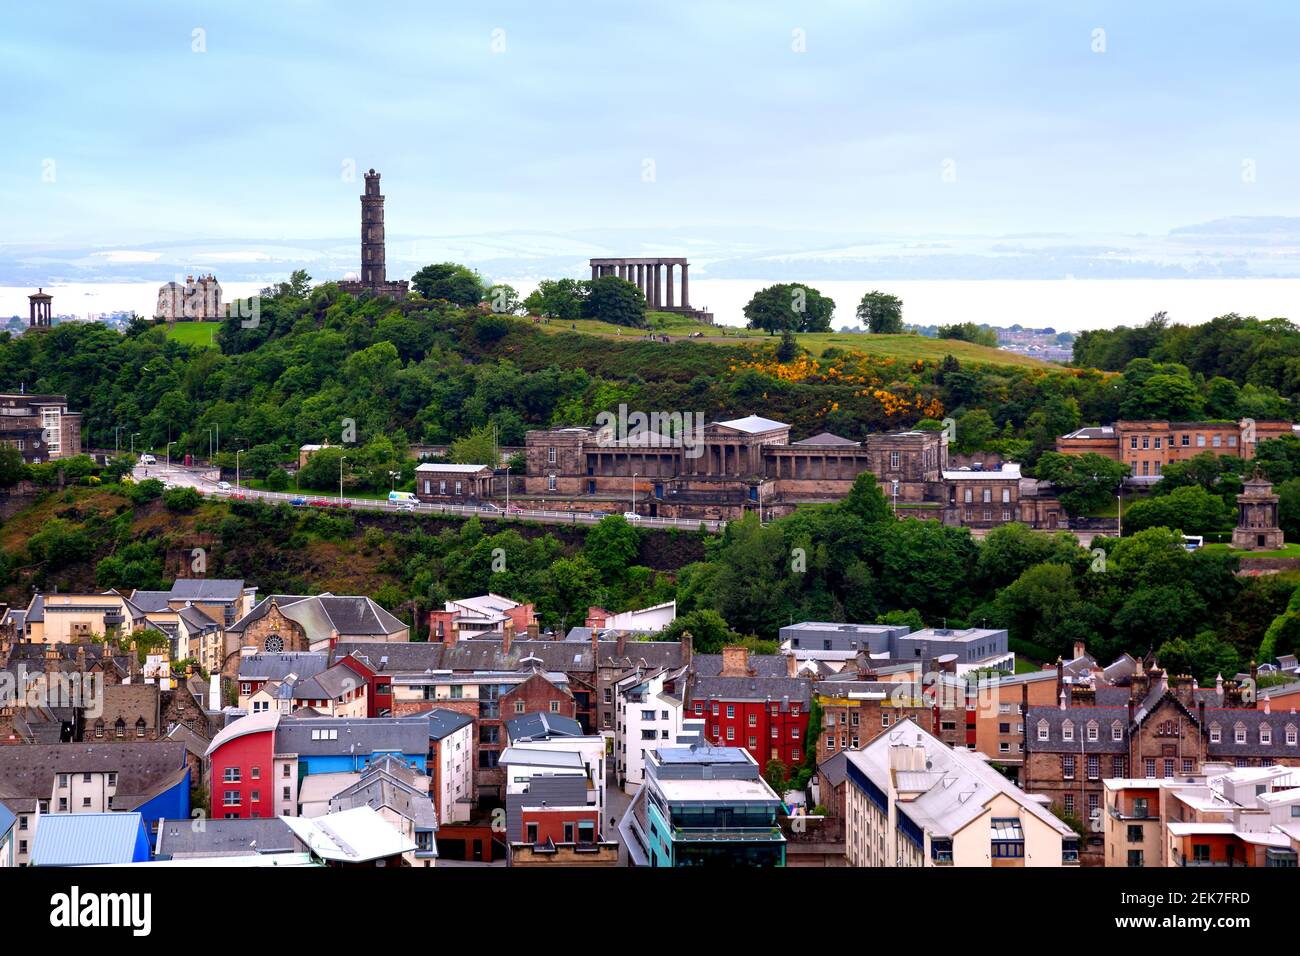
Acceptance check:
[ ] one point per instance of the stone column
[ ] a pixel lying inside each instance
(640, 277)
(659, 289)
(595, 271)
(686, 298)
(669, 270)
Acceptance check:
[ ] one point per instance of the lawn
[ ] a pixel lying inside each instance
(194, 333)
(1291, 550)
(907, 347)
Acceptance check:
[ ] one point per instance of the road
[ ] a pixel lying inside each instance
(203, 481)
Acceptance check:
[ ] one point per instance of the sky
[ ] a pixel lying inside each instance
(137, 122)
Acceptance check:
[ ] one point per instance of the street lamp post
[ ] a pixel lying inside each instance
(134, 435)
(341, 460)
(635, 476)
(507, 489)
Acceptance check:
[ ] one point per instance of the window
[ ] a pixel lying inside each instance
(1239, 733)
(893, 460)
(1042, 730)
(1117, 731)
(1290, 735)
(1067, 766)
(1006, 496)
(550, 455)
(1068, 804)
(231, 775)
(1216, 735)
(1149, 766)
(231, 798)
(1135, 858)
(519, 707)
(555, 707)
(1094, 767)
(550, 482)
(1092, 730)
(1265, 734)
(1067, 730)
(731, 711)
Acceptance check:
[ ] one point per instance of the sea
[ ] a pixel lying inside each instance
(1066, 305)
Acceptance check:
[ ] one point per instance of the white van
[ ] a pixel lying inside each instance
(402, 497)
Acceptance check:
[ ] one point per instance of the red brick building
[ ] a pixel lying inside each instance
(752, 702)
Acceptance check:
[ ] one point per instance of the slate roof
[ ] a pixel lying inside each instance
(1227, 748)
(390, 783)
(181, 839)
(782, 690)
(763, 665)
(319, 614)
(542, 726)
(27, 772)
(835, 769)
(207, 590)
(1106, 717)
(356, 735)
(443, 723)
(280, 666)
(416, 657)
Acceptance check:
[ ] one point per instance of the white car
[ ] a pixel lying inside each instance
(631, 516)
(148, 460)
(223, 486)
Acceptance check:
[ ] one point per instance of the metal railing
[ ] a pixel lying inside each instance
(424, 507)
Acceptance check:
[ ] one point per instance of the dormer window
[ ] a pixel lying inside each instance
(1117, 731)
(1265, 734)
(1092, 730)
(1042, 730)
(1067, 730)
(1290, 735)
(1216, 734)
(1239, 733)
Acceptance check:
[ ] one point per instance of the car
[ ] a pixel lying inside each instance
(340, 504)
(600, 514)
(631, 516)
(298, 502)
(488, 506)
(406, 506)
(223, 486)
(148, 460)
(319, 503)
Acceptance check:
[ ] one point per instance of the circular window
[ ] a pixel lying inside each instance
(274, 645)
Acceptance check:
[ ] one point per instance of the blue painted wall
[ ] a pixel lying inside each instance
(172, 804)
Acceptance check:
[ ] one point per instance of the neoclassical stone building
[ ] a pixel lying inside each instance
(722, 469)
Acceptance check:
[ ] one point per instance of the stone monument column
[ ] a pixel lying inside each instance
(686, 299)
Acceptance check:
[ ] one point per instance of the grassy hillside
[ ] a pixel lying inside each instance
(906, 347)
(194, 333)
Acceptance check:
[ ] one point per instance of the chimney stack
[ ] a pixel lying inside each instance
(1080, 649)
(735, 661)
(791, 666)
(688, 647)
(507, 635)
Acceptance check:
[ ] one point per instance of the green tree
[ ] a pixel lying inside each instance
(612, 546)
(557, 299)
(614, 300)
(476, 448)
(450, 281)
(12, 467)
(881, 313)
(1084, 482)
(789, 305)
